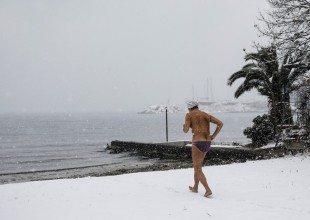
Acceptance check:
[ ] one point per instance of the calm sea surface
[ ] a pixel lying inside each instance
(36, 142)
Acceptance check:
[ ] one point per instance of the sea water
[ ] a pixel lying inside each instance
(39, 142)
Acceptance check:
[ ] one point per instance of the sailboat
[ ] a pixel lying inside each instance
(205, 101)
(209, 99)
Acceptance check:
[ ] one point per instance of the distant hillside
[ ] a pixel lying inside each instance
(233, 106)
(157, 109)
(223, 106)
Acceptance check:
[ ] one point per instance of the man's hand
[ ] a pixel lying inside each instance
(212, 137)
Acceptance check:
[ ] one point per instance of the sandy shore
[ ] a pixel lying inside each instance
(104, 170)
(142, 165)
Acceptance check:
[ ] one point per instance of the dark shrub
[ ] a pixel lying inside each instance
(261, 132)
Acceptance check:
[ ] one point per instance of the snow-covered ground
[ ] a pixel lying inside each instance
(270, 189)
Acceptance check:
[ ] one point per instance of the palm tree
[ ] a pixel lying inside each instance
(271, 79)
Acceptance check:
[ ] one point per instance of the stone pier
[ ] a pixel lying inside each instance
(181, 151)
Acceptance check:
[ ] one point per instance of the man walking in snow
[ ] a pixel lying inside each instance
(199, 122)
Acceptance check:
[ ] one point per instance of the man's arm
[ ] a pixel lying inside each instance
(187, 124)
(218, 127)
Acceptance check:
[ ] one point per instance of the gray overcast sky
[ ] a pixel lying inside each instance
(106, 55)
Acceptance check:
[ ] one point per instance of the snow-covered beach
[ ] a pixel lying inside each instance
(269, 189)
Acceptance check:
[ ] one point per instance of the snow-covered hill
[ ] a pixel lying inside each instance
(223, 106)
(157, 109)
(234, 106)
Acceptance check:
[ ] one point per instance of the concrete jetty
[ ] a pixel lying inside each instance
(181, 151)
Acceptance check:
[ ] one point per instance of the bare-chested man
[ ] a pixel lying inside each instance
(199, 122)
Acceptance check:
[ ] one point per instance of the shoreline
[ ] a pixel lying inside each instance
(143, 165)
(147, 160)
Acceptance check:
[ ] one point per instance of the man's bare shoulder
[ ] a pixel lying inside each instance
(206, 115)
(203, 112)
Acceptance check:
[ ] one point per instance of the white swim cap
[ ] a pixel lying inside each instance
(192, 104)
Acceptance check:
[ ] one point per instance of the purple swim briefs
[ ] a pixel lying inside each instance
(203, 146)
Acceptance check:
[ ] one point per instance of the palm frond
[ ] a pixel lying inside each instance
(235, 76)
(244, 87)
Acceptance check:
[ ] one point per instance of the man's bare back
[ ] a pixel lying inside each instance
(199, 122)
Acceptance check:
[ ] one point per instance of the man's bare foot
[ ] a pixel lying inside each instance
(195, 190)
(208, 194)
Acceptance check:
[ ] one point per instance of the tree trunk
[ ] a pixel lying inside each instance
(287, 117)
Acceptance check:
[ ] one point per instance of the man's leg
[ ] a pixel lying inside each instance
(196, 180)
(199, 176)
